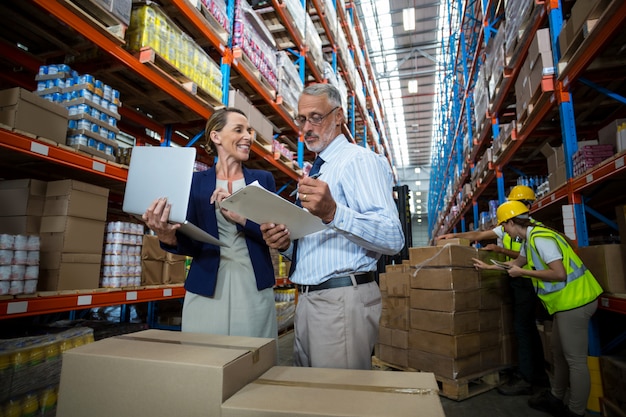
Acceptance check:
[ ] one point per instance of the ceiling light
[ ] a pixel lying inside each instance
(408, 18)
(418, 193)
(413, 86)
(418, 183)
(417, 170)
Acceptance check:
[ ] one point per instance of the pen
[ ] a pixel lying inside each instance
(314, 176)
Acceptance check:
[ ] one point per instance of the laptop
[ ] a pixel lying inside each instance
(160, 171)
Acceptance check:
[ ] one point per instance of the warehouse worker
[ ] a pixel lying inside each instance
(569, 291)
(229, 290)
(339, 302)
(529, 348)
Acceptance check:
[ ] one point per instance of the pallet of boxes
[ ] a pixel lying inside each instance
(443, 316)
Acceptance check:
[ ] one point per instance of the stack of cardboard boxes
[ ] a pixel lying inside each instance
(72, 235)
(158, 266)
(165, 373)
(441, 315)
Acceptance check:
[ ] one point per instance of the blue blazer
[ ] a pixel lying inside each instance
(202, 277)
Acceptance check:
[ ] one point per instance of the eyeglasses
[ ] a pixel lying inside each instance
(314, 119)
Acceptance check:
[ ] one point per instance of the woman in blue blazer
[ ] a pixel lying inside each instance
(229, 290)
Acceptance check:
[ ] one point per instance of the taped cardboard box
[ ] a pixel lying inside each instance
(444, 366)
(20, 225)
(160, 373)
(336, 392)
(393, 355)
(395, 284)
(445, 278)
(448, 255)
(451, 323)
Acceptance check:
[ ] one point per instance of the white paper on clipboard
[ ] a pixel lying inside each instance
(262, 206)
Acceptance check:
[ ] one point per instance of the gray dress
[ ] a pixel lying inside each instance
(238, 308)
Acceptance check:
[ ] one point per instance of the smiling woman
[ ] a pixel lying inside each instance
(229, 289)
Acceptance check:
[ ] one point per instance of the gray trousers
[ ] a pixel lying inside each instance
(570, 342)
(337, 328)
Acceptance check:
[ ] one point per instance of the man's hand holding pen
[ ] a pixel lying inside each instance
(315, 196)
(314, 176)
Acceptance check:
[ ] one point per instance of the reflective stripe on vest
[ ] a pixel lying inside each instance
(579, 288)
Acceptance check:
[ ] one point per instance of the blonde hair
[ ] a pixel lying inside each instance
(216, 123)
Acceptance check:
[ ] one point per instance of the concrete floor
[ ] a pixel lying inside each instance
(487, 404)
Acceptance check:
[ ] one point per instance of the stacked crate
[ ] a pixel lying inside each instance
(456, 319)
(72, 235)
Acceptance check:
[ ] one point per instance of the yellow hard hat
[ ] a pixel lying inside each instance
(509, 209)
(521, 192)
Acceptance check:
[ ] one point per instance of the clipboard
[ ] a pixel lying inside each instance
(500, 264)
(262, 206)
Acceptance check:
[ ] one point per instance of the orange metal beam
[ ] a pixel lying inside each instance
(51, 153)
(81, 300)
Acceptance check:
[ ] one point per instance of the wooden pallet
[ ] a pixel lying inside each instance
(455, 389)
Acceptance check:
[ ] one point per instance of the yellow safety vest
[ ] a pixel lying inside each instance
(510, 244)
(579, 288)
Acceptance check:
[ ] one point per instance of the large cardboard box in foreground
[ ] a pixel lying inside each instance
(309, 392)
(157, 373)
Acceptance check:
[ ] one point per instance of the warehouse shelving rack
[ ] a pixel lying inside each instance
(53, 161)
(604, 181)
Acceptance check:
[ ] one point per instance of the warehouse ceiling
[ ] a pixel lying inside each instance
(402, 57)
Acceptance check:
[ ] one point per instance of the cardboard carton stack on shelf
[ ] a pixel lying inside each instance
(72, 235)
(452, 319)
(160, 267)
(535, 75)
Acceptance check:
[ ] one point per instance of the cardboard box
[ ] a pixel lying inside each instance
(296, 391)
(239, 101)
(151, 272)
(26, 111)
(72, 272)
(23, 197)
(20, 225)
(20, 202)
(395, 313)
(455, 241)
(606, 263)
(151, 249)
(556, 165)
(75, 198)
(449, 255)
(174, 272)
(608, 135)
(449, 278)
(444, 300)
(444, 366)
(393, 355)
(453, 346)
(445, 322)
(71, 234)
(395, 284)
(160, 374)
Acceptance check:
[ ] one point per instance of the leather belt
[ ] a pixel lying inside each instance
(338, 282)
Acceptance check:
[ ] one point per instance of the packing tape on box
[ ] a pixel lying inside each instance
(426, 261)
(255, 352)
(349, 387)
